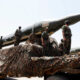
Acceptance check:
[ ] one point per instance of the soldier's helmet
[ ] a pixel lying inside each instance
(67, 22)
(19, 27)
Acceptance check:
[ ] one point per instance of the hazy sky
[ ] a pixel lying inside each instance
(14, 13)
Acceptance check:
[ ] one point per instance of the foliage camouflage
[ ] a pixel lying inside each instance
(17, 61)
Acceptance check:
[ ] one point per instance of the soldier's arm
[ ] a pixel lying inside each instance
(63, 31)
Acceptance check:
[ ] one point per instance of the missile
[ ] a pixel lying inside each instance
(53, 26)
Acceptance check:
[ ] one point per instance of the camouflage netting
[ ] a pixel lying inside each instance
(17, 61)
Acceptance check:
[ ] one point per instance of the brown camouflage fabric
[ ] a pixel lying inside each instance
(18, 62)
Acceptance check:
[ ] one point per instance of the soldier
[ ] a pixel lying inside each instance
(61, 47)
(18, 35)
(1, 42)
(45, 37)
(66, 37)
(33, 38)
(45, 41)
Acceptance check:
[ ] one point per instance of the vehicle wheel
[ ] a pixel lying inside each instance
(55, 77)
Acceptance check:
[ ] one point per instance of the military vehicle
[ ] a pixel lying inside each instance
(28, 59)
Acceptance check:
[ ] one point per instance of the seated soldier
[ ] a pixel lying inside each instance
(32, 38)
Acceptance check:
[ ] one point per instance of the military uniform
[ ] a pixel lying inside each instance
(33, 38)
(45, 43)
(45, 38)
(1, 43)
(67, 38)
(18, 35)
